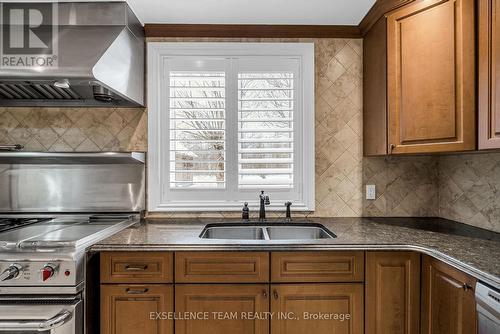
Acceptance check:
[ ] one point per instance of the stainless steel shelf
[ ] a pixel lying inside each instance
(72, 158)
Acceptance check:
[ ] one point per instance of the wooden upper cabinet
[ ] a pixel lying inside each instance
(489, 71)
(127, 309)
(222, 308)
(430, 73)
(448, 303)
(295, 307)
(419, 79)
(392, 289)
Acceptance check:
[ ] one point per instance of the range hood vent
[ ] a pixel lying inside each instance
(100, 61)
(36, 91)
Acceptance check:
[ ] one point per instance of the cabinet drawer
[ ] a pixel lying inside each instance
(317, 266)
(220, 267)
(136, 267)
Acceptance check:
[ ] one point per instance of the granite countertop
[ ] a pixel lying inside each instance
(477, 254)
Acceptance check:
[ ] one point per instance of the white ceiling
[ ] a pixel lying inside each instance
(336, 12)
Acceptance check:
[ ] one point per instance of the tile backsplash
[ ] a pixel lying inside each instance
(74, 129)
(459, 187)
(469, 189)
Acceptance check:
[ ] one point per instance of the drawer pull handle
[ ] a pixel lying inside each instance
(139, 267)
(467, 287)
(136, 291)
(275, 294)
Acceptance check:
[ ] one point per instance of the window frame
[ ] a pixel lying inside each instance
(158, 125)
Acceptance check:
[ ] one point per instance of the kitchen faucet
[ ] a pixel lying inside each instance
(264, 200)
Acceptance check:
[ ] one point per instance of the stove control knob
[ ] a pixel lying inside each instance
(48, 271)
(11, 272)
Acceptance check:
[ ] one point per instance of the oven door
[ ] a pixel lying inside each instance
(63, 316)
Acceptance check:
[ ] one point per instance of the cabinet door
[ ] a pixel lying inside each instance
(489, 71)
(317, 308)
(448, 303)
(128, 309)
(222, 309)
(392, 292)
(431, 86)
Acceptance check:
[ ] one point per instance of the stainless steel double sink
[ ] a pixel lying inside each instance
(266, 231)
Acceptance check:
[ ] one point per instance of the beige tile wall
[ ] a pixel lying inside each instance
(405, 186)
(74, 129)
(469, 189)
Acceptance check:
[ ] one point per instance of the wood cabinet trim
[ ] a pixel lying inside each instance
(344, 266)
(221, 267)
(143, 267)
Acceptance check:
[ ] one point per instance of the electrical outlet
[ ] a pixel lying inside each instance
(371, 192)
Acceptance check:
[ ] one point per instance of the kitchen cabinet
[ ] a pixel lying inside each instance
(127, 309)
(317, 308)
(489, 71)
(420, 79)
(134, 287)
(448, 302)
(222, 308)
(392, 289)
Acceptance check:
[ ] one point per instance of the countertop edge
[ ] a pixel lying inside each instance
(478, 274)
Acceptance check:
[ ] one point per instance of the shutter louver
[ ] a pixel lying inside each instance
(197, 129)
(265, 129)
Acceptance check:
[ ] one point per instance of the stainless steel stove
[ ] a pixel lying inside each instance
(43, 273)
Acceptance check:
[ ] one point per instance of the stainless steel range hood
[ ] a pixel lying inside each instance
(100, 61)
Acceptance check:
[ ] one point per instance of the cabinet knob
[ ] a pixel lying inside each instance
(467, 287)
(264, 293)
(275, 294)
(391, 148)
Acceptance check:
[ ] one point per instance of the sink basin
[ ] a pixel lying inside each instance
(266, 231)
(233, 232)
(298, 233)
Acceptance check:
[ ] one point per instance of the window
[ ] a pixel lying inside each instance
(227, 120)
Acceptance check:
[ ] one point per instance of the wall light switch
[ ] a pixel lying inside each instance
(370, 191)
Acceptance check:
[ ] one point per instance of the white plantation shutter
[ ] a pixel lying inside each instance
(265, 129)
(197, 129)
(228, 120)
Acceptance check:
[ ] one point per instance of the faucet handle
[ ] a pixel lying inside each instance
(264, 198)
(245, 214)
(288, 216)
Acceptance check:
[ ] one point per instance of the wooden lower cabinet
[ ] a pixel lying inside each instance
(128, 308)
(392, 290)
(448, 303)
(296, 308)
(222, 308)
